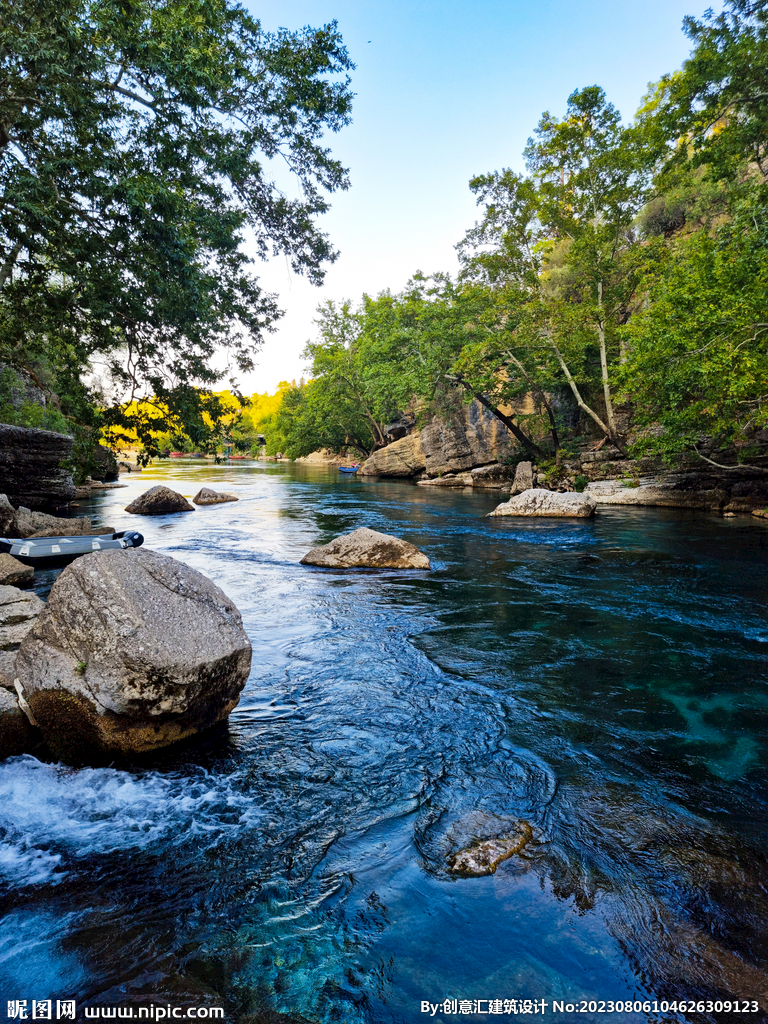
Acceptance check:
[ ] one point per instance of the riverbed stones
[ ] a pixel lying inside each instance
(19, 610)
(134, 651)
(483, 856)
(159, 501)
(207, 496)
(14, 573)
(538, 502)
(367, 549)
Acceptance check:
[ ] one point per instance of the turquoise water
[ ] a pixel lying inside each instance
(604, 681)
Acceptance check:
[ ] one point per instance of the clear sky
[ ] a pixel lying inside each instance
(445, 90)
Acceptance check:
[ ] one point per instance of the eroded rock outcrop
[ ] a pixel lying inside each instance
(159, 501)
(469, 437)
(367, 549)
(404, 457)
(538, 502)
(19, 610)
(207, 496)
(31, 466)
(133, 651)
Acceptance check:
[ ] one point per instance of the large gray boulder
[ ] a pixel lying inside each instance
(134, 651)
(367, 549)
(19, 610)
(538, 502)
(207, 496)
(159, 501)
(31, 463)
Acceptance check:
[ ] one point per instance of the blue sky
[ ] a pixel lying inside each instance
(446, 90)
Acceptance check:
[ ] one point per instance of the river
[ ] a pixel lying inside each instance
(604, 681)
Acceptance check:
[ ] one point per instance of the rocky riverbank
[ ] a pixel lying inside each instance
(473, 449)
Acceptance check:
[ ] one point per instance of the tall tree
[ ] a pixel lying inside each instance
(137, 139)
(564, 237)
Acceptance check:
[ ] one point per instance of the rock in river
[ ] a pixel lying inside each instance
(159, 501)
(538, 502)
(206, 496)
(133, 651)
(484, 856)
(367, 549)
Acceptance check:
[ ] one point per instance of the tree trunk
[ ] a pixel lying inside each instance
(542, 396)
(612, 431)
(582, 404)
(530, 446)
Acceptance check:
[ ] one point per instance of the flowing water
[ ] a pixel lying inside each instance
(603, 681)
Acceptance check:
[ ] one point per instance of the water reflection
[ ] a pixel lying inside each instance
(603, 681)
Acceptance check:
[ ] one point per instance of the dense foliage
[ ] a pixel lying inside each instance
(628, 268)
(135, 145)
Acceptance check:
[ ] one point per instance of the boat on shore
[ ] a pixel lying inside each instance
(176, 455)
(349, 469)
(51, 552)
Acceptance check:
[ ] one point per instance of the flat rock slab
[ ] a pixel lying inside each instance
(538, 502)
(484, 856)
(133, 651)
(367, 549)
(18, 613)
(206, 496)
(14, 573)
(159, 501)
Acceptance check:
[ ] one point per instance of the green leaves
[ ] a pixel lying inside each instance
(135, 141)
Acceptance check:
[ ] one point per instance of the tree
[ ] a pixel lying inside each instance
(698, 358)
(136, 138)
(562, 241)
(714, 111)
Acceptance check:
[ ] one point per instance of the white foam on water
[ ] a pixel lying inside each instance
(51, 815)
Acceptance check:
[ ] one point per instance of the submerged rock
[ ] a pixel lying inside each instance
(206, 496)
(18, 613)
(483, 856)
(134, 651)
(537, 502)
(367, 549)
(159, 501)
(14, 573)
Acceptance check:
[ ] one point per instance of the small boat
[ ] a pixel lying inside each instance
(239, 457)
(349, 469)
(176, 455)
(51, 552)
(195, 455)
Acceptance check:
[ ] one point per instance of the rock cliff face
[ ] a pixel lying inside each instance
(471, 437)
(31, 470)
